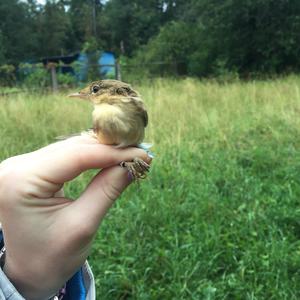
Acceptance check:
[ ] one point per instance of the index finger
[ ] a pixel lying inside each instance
(67, 162)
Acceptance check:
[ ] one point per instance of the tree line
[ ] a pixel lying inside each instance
(196, 37)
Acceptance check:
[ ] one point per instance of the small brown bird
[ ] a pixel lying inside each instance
(119, 118)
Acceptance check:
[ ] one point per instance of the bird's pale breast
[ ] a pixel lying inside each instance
(119, 124)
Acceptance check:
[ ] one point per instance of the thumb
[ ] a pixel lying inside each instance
(100, 194)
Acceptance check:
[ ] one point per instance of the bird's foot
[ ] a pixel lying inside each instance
(137, 168)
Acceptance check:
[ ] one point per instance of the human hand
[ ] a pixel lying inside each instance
(48, 236)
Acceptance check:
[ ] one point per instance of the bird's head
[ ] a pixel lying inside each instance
(97, 91)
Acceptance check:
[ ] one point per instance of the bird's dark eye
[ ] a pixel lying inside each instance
(95, 89)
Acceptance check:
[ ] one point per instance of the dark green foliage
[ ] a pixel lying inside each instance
(2, 49)
(254, 36)
(34, 76)
(17, 30)
(247, 37)
(168, 50)
(52, 42)
(7, 75)
(191, 37)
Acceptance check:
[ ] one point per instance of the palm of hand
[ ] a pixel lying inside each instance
(48, 236)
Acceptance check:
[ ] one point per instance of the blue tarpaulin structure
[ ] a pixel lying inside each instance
(107, 64)
(79, 64)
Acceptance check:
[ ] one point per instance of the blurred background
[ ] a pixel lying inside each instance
(219, 215)
(134, 39)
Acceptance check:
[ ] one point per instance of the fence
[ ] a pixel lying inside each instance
(49, 78)
(53, 71)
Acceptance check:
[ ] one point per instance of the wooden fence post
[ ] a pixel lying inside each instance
(52, 67)
(118, 71)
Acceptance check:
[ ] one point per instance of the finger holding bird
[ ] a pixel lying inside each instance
(119, 118)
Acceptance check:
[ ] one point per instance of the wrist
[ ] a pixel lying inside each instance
(26, 284)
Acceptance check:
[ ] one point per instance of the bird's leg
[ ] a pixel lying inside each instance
(137, 168)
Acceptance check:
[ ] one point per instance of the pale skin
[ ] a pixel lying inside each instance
(48, 236)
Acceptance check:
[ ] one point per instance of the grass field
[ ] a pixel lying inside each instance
(219, 215)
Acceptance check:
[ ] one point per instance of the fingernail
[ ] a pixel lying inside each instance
(150, 155)
(130, 177)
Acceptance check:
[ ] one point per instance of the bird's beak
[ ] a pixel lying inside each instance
(78, 95)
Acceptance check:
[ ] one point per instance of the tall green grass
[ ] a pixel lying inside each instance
(219, 215)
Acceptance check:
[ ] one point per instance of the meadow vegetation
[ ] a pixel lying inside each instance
(218, 216)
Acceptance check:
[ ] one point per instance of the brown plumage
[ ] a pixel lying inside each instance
(119, 117)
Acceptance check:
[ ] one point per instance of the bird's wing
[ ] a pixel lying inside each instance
(138, 103)
(142, 110)
(145, 117)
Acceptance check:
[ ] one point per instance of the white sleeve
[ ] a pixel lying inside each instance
(7, 290)
(89, 282)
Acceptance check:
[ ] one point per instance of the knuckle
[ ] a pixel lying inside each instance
(111, 191)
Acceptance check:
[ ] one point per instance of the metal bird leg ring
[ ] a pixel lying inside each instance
(137, 168)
